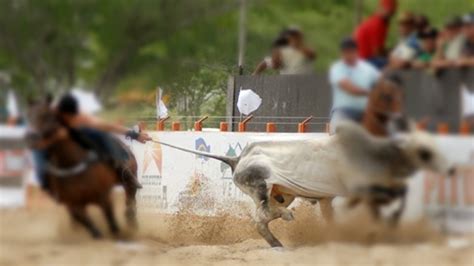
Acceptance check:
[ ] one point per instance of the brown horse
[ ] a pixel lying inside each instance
(385, 102)
(384, 105)
(78, 177)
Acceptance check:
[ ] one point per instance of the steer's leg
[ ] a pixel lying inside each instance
(252, 182)
(326, 209)
(395, 217)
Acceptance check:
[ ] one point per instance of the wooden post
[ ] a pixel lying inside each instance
(271, 127)
(464, 128)
(176, 126)
(160, 125)
(443, 128)
(243, 124)
(198, 124)
(224, 126)
(142, 126)
(302, 125)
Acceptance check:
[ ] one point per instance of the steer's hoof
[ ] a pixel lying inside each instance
(287, 215)
(278, 249)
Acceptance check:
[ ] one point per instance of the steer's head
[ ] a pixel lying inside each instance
(420, 147)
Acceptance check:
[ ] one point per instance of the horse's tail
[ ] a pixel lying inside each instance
(231, 161)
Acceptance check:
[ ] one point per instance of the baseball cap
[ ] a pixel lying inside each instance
(348, 44)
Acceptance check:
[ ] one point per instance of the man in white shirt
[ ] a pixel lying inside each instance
(290, 55)
(351, 79)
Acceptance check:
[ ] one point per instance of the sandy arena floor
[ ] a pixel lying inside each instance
(47, 237)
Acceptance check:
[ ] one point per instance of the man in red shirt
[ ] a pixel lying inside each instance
(371, 34)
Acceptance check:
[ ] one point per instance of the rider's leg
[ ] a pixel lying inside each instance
(110, 149)
(39, 162)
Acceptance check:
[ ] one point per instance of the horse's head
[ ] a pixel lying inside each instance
(42, 120)
(385, 99)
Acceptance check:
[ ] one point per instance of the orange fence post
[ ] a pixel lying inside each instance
(142, 126)
(243, 124)
(422, 124)
(198, 124)
(443, 128)
(464, 128)
(302, 125)
(224, 126)
(271, 127)
(176, 126)
(160, 125)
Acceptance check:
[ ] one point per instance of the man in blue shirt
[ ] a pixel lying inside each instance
(351, 80)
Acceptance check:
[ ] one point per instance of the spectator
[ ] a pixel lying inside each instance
(427, 39)
(351, 79)
(408, 47)
(450, 43)
(422, 22)
(371, 34)
(467, 52)
(290, 55)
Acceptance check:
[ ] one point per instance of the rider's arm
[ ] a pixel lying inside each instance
(102, 125)
(40, 144)
(351, 88)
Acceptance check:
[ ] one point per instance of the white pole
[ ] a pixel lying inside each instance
(242, 22)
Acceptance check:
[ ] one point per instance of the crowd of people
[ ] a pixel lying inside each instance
(364, 55)
(419, 45)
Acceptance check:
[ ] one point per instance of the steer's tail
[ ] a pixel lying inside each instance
(231, 161)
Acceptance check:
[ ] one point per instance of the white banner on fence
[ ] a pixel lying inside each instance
(174, 180)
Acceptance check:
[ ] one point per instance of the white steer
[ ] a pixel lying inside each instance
(349, 164)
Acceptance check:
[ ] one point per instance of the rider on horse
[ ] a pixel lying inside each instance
(93, 134)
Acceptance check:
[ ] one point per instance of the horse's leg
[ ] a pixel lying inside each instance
(127, 178)
(79, 214)
(108, 210)
(131, 205)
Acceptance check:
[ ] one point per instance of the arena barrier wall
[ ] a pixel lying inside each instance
(176, 181)
(432, 98)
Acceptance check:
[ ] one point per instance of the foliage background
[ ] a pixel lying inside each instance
(124, 49)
